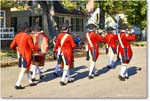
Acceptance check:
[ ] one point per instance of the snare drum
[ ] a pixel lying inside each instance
(38, 60)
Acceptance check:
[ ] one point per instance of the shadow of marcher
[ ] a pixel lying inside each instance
(103, 70)
(75, 69)
(48, 76)
(78, 75)
(48, 70)
(133, 70)
(85, 74)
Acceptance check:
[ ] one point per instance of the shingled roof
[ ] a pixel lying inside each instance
(59, 8)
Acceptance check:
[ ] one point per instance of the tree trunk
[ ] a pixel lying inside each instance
(48, 11)
(102, 16)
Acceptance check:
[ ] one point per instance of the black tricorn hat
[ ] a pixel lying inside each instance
(91, 26)
(110, 29)
(123, 27)
(36, 26)
(23, 27)
(64, 26)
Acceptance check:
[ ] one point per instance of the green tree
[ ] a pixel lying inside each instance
(21, 5)
(5, 3)
(135, 10)
(137, 13)
(69, 5)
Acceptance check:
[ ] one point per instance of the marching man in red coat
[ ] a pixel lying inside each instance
(110, 39)
(66, 43)
(92, 39)
(124, 50)
(25, 47)
(40, 40)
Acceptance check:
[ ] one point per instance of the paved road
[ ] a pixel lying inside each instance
(106, 85)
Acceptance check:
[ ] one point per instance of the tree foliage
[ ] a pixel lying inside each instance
(5, 3)
(69, 5)
(135, 10)
(21, 5)
(137, 13)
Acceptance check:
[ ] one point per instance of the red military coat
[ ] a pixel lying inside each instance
(25, 46)
(67, 47)
(111, 40)
(95, 39)
(126, 38)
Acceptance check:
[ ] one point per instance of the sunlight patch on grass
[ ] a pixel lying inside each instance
(6, 53)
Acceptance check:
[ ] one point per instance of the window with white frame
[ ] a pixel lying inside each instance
(77, 24)
(2, 19)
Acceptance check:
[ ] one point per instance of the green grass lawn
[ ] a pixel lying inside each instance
(139, 43)
(5, 53)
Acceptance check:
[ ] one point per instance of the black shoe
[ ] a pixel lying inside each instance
(139, 68)
(32, 84)
(62, 83)
(109, 67)
(121, 78)
(127, 77)
(41, 77)
(19, 87)
(34, 79)
(96, 74)
(70, 81)
(90, 76)
(56, 74)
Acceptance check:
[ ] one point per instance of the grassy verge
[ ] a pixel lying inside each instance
(9, 57)
(6, 53)
(139, 43)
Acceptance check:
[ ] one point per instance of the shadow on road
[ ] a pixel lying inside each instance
(50, 76)
(75, 69)
(133, 70)
(85, 74)
(78, 75)
(48, 70)
(103, 70)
